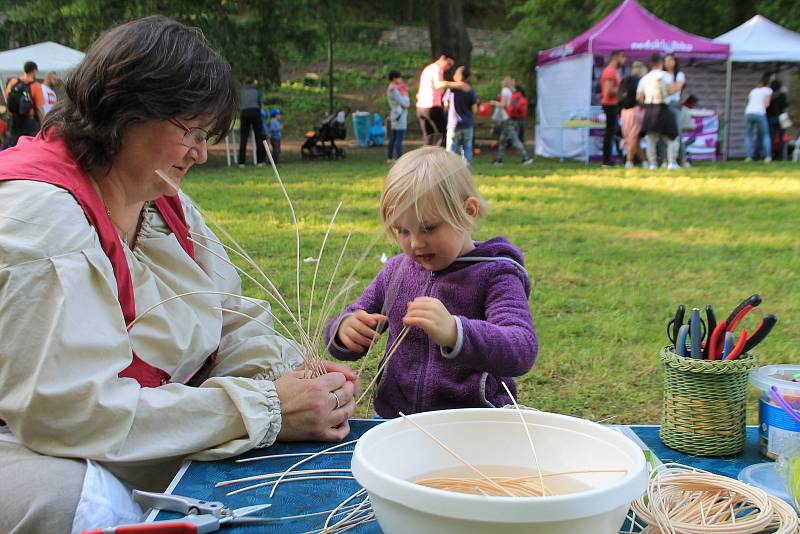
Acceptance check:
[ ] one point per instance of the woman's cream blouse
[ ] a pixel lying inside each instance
(63, 341)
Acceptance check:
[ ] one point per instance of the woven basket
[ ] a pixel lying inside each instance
(705, 402)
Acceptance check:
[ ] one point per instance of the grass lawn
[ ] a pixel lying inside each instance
(611, 253)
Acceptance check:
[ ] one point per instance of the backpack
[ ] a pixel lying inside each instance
(517, 106)
(19, 98)
(627, 92)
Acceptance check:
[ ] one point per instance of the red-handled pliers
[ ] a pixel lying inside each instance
(745, 342)
(200, 516)
(741, 310)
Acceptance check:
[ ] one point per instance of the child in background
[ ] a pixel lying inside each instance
(275, 134)
(464, 302)
(460, 106)
(397, 98)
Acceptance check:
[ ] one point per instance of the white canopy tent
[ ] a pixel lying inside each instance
(48, 56)
(758, 40)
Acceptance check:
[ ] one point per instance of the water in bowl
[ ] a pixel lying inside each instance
(520, 481)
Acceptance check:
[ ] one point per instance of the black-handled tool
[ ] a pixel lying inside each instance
(741, 310)
(762, 330)
(675, 324)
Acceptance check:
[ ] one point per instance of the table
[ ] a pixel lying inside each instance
(197, 479)
(585, 120)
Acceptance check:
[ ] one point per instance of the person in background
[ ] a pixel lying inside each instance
(25, 92)
(275, 134)
(609, 99)
(464, 302)
(460, 106)
(659, 122)
(632, 114)
(756, 119)
(676, 80)
(778, 104)
(398, 101)
(508, 131)
(250, 118)
(520, 123)
(51, 83)
(430, 113)
(3, 126)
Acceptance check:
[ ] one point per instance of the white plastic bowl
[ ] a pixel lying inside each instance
(390, 456)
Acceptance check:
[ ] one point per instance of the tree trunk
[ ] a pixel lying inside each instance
(408, 11)
(447, 31)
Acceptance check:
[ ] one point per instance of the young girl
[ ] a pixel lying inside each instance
(464, 302)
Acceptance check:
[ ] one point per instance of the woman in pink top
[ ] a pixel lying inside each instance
(430, 112)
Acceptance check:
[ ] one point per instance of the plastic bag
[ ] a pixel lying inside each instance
(788, 465)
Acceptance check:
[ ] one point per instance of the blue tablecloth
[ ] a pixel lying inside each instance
(294, 498)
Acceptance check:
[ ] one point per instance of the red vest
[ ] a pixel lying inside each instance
(47, 159)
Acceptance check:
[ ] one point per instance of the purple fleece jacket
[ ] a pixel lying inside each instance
(487, 292)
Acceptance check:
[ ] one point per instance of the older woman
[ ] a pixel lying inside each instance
(92, 234)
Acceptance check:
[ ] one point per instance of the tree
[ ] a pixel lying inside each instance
(447, 31)
(251, 34)
(784, 12)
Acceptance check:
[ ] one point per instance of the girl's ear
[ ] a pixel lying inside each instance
(471, 207)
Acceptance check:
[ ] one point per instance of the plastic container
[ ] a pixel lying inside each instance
(775, 428)
(389, 457)
(767, 478)
(361, 127)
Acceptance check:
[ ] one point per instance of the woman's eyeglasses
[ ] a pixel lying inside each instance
(194, 137)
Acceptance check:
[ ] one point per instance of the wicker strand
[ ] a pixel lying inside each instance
(683, 499)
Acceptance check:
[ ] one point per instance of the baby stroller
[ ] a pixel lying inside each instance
(321, 143)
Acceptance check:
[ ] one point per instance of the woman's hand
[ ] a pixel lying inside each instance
(360, 329)
(430, 314)
(315, 408)
(349, 374)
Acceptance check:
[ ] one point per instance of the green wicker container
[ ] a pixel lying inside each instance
(705, 404)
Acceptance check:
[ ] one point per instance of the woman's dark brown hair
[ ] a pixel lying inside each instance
(147, 69)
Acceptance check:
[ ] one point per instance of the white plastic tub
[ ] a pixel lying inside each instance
(775, 428)
(389, 457)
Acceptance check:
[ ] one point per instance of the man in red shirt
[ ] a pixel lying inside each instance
(27, 123)
(609, 98)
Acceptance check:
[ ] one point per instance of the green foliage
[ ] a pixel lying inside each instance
(252, 34)
(784, 12)
(303, 107)
(348, 51)
(611, 253)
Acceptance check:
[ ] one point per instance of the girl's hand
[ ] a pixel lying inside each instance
(430, 314)
(359, 330)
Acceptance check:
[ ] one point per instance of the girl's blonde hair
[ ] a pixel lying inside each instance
(436, 183)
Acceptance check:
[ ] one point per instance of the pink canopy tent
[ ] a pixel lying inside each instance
(639, 33)
(566, 74)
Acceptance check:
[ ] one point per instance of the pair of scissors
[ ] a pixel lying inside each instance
(723, 343)
(695, 331)
(200, 517)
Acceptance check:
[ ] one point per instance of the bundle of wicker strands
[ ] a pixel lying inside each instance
(682, 499)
